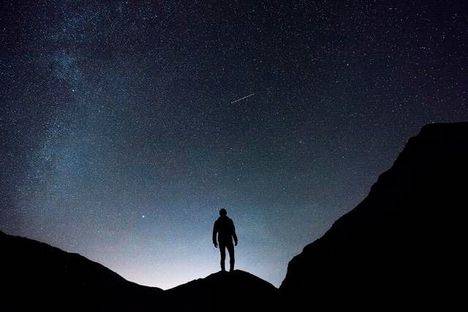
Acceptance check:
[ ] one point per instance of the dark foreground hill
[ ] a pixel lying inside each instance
(39, 277)
(224, 291)
(403, 246)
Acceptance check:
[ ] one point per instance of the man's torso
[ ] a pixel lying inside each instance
(225, 228)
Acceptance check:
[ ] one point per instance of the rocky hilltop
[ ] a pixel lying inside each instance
(224, 291)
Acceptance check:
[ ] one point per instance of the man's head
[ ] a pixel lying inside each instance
(222, 212)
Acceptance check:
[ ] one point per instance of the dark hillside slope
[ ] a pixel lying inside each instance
(403, 245)
(39, 277)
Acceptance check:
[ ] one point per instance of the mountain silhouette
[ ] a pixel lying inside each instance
(36, 276)
(402, 246)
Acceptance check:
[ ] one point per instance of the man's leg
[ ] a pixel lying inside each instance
(230, 248)
(222, 250)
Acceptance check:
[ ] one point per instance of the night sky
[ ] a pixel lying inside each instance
(125, 126)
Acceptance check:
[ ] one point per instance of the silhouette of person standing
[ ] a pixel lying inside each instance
(223, 234)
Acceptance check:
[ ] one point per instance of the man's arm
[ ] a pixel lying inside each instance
(215, 232)
(234, 233)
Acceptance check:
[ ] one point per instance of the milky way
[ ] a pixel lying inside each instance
(121, 137)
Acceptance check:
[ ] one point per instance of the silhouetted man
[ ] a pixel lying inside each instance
(223, 233)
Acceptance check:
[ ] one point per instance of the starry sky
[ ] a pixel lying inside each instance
(126, 125)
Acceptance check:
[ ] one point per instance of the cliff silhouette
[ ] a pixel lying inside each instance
(401, 247)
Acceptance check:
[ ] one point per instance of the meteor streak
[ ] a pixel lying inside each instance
(242, 98)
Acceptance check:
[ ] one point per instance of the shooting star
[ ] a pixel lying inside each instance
(242, 98)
